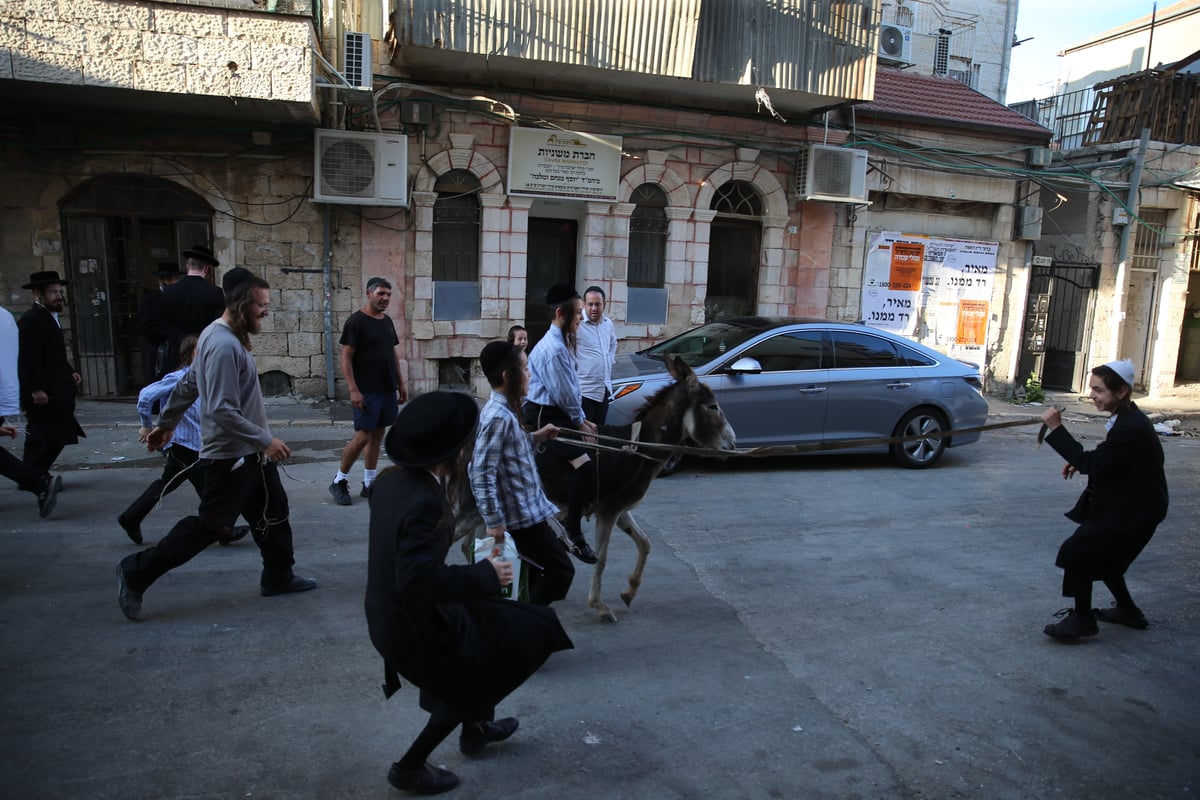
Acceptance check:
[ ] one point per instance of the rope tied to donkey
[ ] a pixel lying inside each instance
(638, 448)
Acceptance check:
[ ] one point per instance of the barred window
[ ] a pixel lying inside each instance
(456, 224)
(648, 237)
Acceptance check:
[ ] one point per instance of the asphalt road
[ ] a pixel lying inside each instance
(824, 627)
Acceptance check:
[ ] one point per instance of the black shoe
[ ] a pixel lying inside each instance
(48, 497)
(477, 735)
(427, 779)
(366, 491)
(341, 492)
(1119, 615)
(296, 584)
(579, 547)
(1071, 628)
(129, 600)
(238, 533)
(132, 529)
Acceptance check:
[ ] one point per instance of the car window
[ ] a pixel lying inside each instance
(912, 358)
(787, 351)
(852, 349)
(705, 343)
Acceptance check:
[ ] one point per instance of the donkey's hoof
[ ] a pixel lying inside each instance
(607, 616)
(627, 598)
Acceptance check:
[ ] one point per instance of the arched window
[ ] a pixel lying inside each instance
(456, 224)
(648, 256)
(733, 252)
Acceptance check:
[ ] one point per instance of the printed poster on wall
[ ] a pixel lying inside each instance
(554, 163)
(936, 291)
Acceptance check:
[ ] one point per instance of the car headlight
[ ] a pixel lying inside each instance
(624, 389)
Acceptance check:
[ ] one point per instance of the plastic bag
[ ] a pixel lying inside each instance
(483, 549)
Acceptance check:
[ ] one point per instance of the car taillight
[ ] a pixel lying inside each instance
(624, 389)
(975, 383)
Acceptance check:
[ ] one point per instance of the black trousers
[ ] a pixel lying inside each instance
(24, 476)
(247, 486)
(177, 458)
(541, 544)
(596, 410)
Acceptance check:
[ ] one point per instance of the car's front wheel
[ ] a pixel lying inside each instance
(924, 452)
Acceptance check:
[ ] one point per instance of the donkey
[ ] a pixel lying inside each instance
(685, 410)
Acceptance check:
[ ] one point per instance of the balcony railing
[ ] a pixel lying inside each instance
(1117, 110)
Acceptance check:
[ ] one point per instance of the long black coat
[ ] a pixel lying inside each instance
(1125, 499)
(42, 365)
(445, 628)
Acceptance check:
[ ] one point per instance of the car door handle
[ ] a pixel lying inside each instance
(812, 390)
(899, 385)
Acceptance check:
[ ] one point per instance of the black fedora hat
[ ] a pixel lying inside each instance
(39, 279)
(202, 253)
(432, 428)
(168, 268)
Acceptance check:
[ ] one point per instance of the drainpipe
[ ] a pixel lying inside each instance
(327, 287)
(1131, 201)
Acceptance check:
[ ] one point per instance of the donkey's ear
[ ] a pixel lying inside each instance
(679, 369)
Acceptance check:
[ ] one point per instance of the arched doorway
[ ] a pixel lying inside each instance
(118, 229)
(735, 243)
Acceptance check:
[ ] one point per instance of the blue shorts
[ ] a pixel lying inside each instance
(378, 411)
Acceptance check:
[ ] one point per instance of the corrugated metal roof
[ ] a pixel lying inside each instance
(935, 98)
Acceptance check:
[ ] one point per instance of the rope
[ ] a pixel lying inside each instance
(633, 447)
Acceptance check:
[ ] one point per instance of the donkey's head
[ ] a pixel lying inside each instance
(687, 410)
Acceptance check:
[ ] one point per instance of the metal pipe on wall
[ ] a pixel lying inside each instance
(327, 287)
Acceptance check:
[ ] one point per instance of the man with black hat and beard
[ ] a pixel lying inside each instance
(238, 455)
(192, 303)
(555, 398)
(48, 381)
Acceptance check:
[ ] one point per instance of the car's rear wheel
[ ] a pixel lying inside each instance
(671, 466)
(924, 452)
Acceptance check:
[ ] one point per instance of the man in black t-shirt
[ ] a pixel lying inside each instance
(371, 365)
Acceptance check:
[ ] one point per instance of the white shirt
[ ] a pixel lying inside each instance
(596, 350)
(10, 384)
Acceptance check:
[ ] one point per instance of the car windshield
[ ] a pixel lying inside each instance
(701, 345)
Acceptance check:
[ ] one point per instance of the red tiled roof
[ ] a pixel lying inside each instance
(937, 99)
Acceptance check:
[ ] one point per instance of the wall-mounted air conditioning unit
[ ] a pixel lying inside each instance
(895, 44)
(833, 174)
(356, 60)
(369, 169)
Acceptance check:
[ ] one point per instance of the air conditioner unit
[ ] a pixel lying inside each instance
(356, 60)
(833, 174)
(369, 169)
(895, 44)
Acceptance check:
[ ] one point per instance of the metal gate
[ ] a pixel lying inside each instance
(1057, 317)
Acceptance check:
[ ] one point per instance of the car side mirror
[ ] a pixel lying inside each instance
(745, 366)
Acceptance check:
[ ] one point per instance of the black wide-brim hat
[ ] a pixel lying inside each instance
(40, 279)
(203, 253)
(431, 428)
(167, 269)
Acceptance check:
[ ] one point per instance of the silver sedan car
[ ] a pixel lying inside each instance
(786, 381)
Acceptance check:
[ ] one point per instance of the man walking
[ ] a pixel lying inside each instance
(596, 349)
(371, 365)
(192, 303)
(42, 484)
(152, 328)
(48, 381)
(238, 455)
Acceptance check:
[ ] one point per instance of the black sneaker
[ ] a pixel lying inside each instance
(476, 736)
(236, 534)
(1119, 615)
(48, 497)
(1074, 626)
(366, 491)
(129, 600)
(426, 779)
(341, 492)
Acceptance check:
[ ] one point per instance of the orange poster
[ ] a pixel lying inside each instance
(907, 260)
(972, 322)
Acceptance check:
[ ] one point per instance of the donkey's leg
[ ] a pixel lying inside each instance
(604, 527)
(627, 523)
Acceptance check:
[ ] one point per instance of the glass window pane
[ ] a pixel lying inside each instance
(852, 350)
(788, 351)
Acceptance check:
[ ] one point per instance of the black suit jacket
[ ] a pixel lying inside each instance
(188, 306)
(42, 365)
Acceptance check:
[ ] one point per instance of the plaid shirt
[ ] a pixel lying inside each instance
(553, 380)
(503, 475)
(187, 433)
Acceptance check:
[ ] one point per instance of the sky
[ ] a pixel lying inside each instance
(1054, 26)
